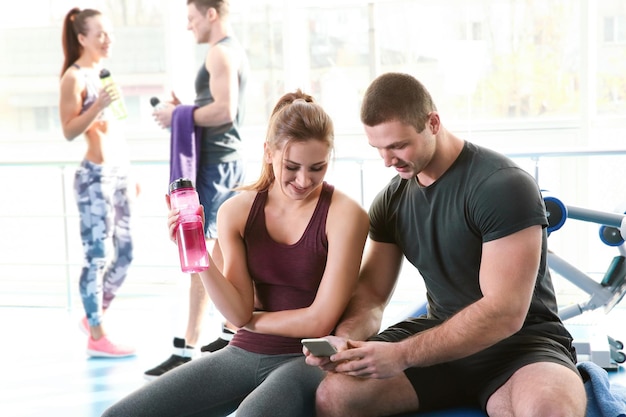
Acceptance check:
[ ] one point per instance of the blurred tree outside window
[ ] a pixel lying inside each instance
(486, 61)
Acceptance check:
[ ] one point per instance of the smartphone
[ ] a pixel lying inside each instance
(319, 347)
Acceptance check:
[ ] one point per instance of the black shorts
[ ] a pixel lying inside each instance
(469, 382)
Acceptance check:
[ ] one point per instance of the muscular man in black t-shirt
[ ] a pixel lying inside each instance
(473, 224)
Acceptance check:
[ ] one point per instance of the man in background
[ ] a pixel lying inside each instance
(220, 88)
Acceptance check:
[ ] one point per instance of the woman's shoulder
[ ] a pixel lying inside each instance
(241, 198)
(73, 77)
(233, 213)
(72, 71)
(344, 203)
(238, 204)
(346, 219)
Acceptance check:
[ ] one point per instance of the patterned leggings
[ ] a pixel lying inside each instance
(104, 208)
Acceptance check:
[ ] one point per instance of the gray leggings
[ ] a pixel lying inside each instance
(224, 381)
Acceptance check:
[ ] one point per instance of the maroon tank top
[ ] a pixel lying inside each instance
(285, 276)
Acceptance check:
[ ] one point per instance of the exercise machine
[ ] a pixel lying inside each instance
(599, 348)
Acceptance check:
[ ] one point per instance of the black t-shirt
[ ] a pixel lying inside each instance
(440, 229)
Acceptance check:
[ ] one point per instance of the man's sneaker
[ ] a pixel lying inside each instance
(214, 346)
(105, 348)
(172, 362)
(182, 354)
(218, 343)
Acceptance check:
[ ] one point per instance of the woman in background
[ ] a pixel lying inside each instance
(101, 180)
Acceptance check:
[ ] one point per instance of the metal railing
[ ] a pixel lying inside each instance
(40, 254)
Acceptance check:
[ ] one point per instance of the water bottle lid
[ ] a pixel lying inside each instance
(180, 183)
(104, 73)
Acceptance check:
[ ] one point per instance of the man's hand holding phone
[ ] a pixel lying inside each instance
(331, 344)
(319, 347)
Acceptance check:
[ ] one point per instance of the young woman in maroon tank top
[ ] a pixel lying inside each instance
(292, 248)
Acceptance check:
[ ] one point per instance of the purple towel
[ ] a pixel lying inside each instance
(185, 141)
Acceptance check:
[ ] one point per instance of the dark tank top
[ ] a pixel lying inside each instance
(285, 277)
(222, 143)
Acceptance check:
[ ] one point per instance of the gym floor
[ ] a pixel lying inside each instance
(47, 372)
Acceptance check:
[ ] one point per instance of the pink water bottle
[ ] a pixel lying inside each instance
(190, 233)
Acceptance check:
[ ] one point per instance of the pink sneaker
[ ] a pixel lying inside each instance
(83, 326)
(105, 348)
